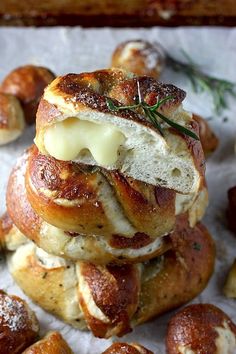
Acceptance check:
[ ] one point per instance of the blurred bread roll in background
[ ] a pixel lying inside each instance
(27, 84)
(12, 122)
(139, 57)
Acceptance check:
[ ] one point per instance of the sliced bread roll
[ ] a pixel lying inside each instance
(76, 120)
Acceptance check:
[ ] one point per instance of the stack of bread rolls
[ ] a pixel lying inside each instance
(103, 212)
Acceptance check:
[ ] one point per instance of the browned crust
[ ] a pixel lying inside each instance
(16, 325)
(138, 60)
(27, 84)
(207, 136)
(18, 207)
(150, 210)
(81, 91)
(115, 291)
(29, 223)
(6, 225)
(185, 272)
(125, 348)
(9, 106)
(53, 343)
(194, 327)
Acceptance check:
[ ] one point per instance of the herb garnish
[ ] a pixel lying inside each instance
(151, 112)
(200, 81)
(197, 246)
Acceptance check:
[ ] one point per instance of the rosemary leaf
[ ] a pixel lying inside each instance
(151, 113)
(177, 126)
(200, 81)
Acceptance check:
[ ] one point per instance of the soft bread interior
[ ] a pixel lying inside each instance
(117, 143)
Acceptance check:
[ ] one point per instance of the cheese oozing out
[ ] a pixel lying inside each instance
(66, 139)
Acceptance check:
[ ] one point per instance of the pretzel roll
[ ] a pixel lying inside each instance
(18, 325)
(108, 297)
(183, 274)
(139, 57)
(113, 299)
(66, 194)
(125, 348)
(27, 84)
(12, 122)
(52, 343)
(201, 328)
(95, 202)
(67, 244)
(10, 237)
(207, 136)
(76, 112)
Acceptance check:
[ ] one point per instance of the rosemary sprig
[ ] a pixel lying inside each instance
(151, 112)
(200, 81)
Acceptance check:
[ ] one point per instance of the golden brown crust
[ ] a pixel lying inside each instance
(53, 343)
(195, 328)
(89, 91)
(27, 84)
(18, 324)
(166, 283)
(207, 136)
(6, 103)
(115, 291)
(184, 274)
(18, 207)
(125, 348)
(50, 182)
(140, 57)
(101, 250)
(12, 122)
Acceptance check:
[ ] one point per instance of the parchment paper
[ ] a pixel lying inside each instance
(75, 50)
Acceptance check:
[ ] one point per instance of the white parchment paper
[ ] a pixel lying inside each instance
(66, 50)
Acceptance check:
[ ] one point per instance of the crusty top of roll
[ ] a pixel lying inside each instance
(18, 325)
(175, 161)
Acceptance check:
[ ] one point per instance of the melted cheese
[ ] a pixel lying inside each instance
(66, 139)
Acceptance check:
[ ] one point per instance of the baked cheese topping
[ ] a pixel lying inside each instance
(65, 140)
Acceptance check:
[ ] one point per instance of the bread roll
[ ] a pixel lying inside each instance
(122, 348)
(12, 122)
(201, 328)
(81, 293)
(18, 325)
(207, 136)
(27, 84)
(139, 57)
(102, 248)
(52, 343)
(74, 111)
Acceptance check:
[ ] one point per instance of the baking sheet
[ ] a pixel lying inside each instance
(66, 50)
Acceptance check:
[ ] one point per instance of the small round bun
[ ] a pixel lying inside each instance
(18, 325)
(124, 348)
(12, 121)
(139, 57)
(27, 84)
(53, 343)
(201, 329)
(208, 138)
